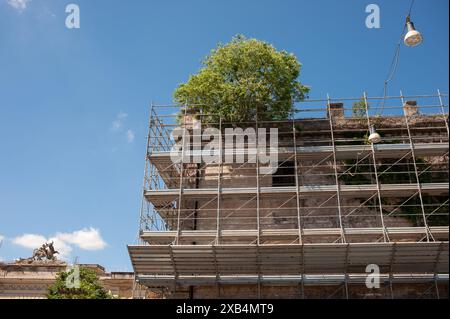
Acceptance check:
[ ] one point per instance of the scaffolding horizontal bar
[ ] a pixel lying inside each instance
(154, 237)
(162, 198)
(318, 152)
(334, 279)
(170, 174)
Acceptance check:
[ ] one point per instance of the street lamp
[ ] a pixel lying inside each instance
(374, 137)
(412, 37)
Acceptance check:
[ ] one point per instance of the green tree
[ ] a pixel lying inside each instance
(89, 286)
(359, 108)
(241, 79)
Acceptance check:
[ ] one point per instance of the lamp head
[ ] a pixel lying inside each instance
(412, 37)
(374, 137)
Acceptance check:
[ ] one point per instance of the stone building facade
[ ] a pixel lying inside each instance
(30, 281)
(336, 204)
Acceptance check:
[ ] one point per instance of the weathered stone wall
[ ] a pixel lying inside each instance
(281, 212)
(400, 291)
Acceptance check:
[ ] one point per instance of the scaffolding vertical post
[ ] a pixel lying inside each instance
(374, 159)
(436, 285)
(336, 176)
(258, 261)
(297, 186)
(347, 251)
(297, 191)
(419, 186)
(175, 271)
(391, 288)
(143, 219)
(134, 292)
(219, 186)
(443, 112)
(258, 197)
(258, 221)
(180, 190)
(303, 270)
(216, 267)
(391, 268)
(436, 269)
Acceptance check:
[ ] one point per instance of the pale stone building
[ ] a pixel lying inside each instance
(25, 281)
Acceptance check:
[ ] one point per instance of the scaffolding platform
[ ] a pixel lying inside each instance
(426, 257)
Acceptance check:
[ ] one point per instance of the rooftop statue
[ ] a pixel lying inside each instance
(44, 253)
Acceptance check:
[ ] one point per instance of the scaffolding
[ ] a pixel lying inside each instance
(335, 204)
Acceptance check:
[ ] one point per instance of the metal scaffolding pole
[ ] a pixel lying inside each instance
(346, 271)
(180, 190)
(419, 186)
(443, 112)
(391, 268)
(174, 265)
(258, 204)
(338, 187)
(219, 186)
(297, 197)
(374, 159)
(217, 270)
(297, 185)
(258, 189)
(144, 203)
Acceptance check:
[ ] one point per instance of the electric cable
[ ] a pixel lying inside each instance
(394, 64)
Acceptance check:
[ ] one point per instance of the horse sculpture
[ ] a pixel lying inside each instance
(46, 252)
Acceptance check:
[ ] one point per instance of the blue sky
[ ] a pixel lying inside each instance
(73, 103)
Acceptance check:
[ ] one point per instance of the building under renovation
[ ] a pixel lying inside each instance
(360, 186)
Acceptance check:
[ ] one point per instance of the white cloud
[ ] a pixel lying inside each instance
(130, 136)
(85, 239)
(18, 4)
(88, 239)
(1, 238)
(117, 124)
(30, 240)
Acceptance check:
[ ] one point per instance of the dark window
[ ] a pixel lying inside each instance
(285, 175)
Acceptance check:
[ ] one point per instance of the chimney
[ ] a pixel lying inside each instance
(410, 108)
(336, 110)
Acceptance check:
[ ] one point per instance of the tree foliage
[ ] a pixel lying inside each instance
(359, 108)
(89, 287)
(244, 78)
